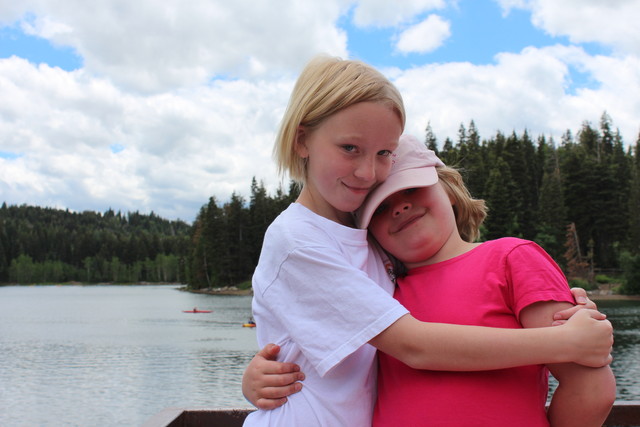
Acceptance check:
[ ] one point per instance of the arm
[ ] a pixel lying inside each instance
(586, 338)
(584, 395)
(582, 301)
(267, 383)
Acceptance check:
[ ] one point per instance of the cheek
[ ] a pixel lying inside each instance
(376, 228)
(382, 168)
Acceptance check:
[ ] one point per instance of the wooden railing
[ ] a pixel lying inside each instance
(623, 414)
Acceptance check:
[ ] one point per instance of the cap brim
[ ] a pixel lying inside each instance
(410, 178)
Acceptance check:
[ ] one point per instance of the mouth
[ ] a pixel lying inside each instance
(408, 222)
(358, 190)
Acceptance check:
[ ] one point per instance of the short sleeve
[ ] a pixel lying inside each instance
(535, 277)
(330, 308)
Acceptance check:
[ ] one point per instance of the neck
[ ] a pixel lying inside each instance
(454, 247)
(322, 208)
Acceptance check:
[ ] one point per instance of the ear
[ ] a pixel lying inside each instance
(301, 142)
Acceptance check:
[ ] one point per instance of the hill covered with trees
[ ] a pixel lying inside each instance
(45, 245)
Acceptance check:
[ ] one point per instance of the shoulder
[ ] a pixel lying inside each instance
(509, 250)
(509, 245)
(298, 226)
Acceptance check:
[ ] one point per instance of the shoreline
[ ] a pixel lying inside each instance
(596, 295)
(227, 290)
(612, 297)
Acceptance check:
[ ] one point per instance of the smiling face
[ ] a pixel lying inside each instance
(418, 226)
(347, 155)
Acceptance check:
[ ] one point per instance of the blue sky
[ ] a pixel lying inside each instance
(122, 105)
(37, 50)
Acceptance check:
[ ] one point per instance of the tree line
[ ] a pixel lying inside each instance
(579, 198)
(46, 245)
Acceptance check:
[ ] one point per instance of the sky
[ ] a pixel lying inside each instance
(156, 106)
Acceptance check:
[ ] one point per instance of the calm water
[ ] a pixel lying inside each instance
(116, 355)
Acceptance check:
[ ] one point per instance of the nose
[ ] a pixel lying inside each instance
(366, 169)
(400, 207)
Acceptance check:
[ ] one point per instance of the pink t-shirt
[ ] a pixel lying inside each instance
(487, 286)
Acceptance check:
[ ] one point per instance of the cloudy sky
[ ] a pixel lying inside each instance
(156, 106)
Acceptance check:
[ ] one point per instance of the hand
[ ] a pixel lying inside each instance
(266, 383)
(582, 301)
(590, 338)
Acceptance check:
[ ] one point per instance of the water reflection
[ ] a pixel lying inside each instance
(625, 317)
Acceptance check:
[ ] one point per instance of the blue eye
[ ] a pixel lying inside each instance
(385, 153)
(349, 148)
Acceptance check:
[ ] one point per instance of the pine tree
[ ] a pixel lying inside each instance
(502, 220)
(430, 139)
(551, 213)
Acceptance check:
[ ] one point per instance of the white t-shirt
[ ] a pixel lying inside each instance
(321, 293)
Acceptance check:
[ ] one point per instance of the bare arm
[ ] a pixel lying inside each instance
(586, 339)
(584, 395)
(267, 383)
(582, 301)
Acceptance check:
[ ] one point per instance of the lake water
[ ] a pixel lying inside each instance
(116, 355)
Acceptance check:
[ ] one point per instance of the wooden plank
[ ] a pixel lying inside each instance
(623, 414)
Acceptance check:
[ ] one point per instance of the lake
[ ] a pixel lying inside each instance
(116, 355)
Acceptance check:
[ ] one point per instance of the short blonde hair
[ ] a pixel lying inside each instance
(469, 212)
(326, 86)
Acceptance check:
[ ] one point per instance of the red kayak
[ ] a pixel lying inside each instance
(196, 311)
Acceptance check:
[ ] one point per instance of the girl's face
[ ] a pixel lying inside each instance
(417, 226)
(347, 155)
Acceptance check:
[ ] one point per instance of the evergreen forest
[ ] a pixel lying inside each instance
(578, 198)
(45, 245)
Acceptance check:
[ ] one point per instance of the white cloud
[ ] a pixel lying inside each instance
(384, 13)
(151, 46)
(529, 90)
(179, 148)
(612, 23)
(425, 36)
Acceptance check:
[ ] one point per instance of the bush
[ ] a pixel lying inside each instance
(581, 283)
(244, 285)
(603, 279)
(631, 267)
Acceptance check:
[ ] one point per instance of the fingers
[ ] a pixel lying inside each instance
(269, 352)
(595, 314)
(268, 404)
(581, 298)
(270, 367)
(273, 393)
(280, 392)
(281, 380)
(265, 360)
(565, 314)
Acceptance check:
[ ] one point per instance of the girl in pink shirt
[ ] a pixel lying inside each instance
(425, 218)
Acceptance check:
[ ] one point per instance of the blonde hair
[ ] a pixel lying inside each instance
(469, 212)
(326, 86)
